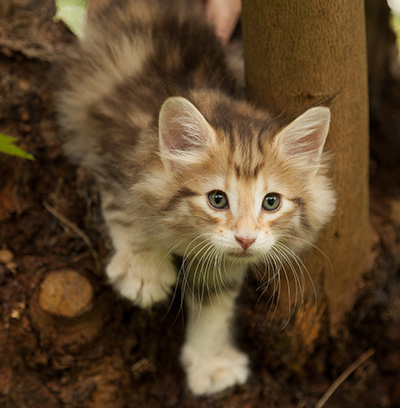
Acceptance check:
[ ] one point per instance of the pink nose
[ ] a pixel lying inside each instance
(245, 242)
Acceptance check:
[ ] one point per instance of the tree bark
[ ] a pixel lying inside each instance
(297, 53)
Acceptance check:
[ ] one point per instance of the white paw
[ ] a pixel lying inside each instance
(143, 277)
(210, 374)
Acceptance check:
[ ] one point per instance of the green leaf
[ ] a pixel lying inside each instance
(73, 13)
(7, 146)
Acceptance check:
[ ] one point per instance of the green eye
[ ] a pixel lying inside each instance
(218, 199)
(271, 202)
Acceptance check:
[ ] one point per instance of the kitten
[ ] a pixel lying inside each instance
(188, 169)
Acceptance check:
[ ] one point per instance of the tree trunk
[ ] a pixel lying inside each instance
(298, 53)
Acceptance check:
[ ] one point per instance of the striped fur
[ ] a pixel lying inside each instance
(146, 102)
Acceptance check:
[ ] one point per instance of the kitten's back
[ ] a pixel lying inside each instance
(114, 80)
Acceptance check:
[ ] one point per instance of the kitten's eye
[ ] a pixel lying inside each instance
(218, 199)
(271, 202)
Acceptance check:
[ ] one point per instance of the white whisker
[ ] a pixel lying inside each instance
(279, 261)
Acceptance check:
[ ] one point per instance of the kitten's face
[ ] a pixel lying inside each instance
(239, 197)
(242, 217)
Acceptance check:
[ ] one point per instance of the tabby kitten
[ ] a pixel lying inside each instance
(187, 169)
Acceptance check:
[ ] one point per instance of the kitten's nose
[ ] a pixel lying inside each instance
(244, 242)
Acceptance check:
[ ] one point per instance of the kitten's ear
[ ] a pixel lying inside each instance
(184, 134)
(303, 140)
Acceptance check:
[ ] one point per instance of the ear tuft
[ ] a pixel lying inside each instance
(305, 137)
(184, 134)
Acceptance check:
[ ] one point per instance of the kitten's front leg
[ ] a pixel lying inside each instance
(138, 271)
(211, 361)
(142, 275)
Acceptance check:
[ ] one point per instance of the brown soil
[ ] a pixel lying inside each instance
(100, 351)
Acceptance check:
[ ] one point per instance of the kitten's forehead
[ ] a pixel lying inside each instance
(257, 186)
(247, 147)
(243, 134)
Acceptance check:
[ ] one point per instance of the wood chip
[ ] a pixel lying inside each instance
(65, 293)
(6, 256)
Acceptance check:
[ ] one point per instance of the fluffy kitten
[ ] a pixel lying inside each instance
(187, 169)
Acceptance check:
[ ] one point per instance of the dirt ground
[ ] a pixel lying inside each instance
(113, 354)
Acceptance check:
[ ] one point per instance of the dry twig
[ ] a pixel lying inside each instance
(340, 380)
(76, 230)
